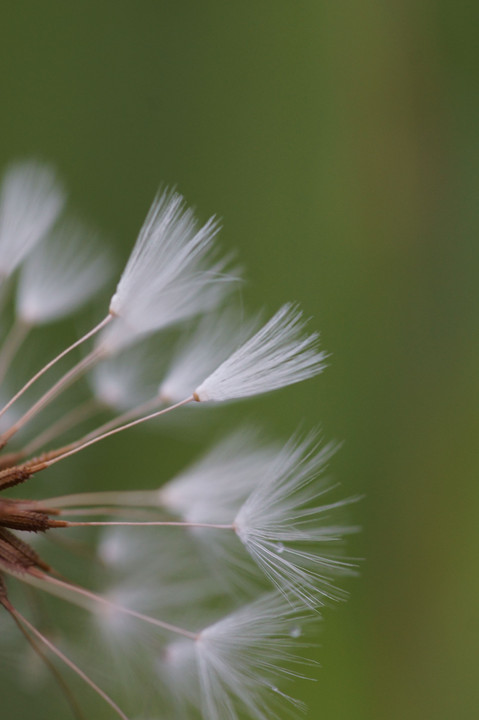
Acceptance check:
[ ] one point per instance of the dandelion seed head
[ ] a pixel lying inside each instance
(172, 617)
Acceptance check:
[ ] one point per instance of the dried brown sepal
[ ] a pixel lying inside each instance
(25, 515)
(11, 476)
(16, 555)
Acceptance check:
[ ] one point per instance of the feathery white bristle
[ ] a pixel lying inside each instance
(125, 380)
(292, 538)
(62, 274)
(170, 275)
(160, 576)
(30, 200)
(278, 354)
(198, 353)
(213, 489)
(233, 665)
(156, 576)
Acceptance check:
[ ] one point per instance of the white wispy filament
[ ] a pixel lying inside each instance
(61, 274)
(170, 276)
(213, 489)
(278, 354)
(234, 664)
(30, 200)
(215, 336)
(295, 540)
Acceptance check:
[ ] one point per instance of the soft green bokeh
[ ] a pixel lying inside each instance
(338, 142)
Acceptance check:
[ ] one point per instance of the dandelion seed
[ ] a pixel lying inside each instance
(123, 381)
(170, 276)
(279, 354)
(198, 353)
(289, 535)
(61, 275)
(213, 489)
(233, 665)
(31, 199)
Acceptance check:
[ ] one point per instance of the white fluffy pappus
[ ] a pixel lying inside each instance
(213, 488)
(293, 539)
(277, 355)
(62, 274)
(31, 199)
(171, 274)
(125, 380)
(156, 574)
(233, 665)
(199, 352)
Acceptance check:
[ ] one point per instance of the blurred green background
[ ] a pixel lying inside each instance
(339, 143)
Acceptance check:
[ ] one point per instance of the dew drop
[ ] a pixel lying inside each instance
(279, 548)
(295, 631)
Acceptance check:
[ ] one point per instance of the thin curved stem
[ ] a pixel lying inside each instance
(11, 476)
(150, 523)
(43, 581)
(37, 648)
(127, 498)
(56, 359)
(70, 420)
(47, 463)
(112, 424)
(12, 344)
(56, 651)
(62, 384)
